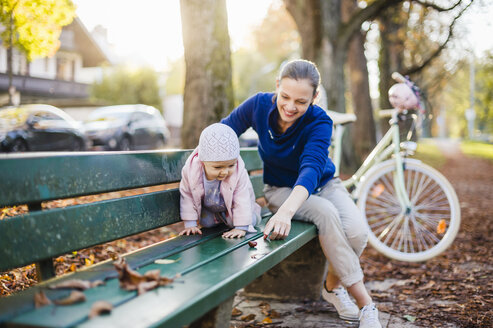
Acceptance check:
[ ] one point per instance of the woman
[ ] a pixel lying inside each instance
(294, 138)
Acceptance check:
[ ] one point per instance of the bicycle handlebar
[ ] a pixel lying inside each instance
(398, 77)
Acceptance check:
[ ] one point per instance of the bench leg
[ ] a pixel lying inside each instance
(218, 317)
(300, 276)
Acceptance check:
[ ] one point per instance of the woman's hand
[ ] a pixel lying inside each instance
(191, 231)
(278, 226)
(234, 233)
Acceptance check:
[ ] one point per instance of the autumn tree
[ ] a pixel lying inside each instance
(33, 27)
(326, 37)
(208, 94)
(413, 37)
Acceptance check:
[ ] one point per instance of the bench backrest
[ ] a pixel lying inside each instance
(41, 234)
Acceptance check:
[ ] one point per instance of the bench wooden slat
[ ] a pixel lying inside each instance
(258, 185)
(206, 287)
(32, 179)
(215, 274)
(44, 234)
(23, 301)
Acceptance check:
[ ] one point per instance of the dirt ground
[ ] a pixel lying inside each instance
(454, 288)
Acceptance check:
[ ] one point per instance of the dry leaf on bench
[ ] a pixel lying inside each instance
(146, 286)
(41, 300)
(74, 297)
(77, 284)
(100, 307)
(166, 261)
(132, 280)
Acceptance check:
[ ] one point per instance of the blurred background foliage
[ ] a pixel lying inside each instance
(126, 85)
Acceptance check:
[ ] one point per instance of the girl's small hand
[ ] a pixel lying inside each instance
(234, 233)
(191, 231)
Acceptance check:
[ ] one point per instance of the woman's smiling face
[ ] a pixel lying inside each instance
(293, 99)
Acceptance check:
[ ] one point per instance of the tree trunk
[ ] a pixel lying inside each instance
(208, 94)
(363, 130)
(10, 58)
(391, 25)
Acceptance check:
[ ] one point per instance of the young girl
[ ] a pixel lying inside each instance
(215, 187)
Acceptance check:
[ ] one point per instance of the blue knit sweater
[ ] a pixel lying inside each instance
(297, 157)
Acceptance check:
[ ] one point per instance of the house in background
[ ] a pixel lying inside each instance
(58, 80)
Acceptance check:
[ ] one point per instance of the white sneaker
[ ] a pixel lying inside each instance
(339, 297)
(368, 317)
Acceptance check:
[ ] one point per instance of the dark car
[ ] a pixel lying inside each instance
(127, 127)
(249, 138)
(38, 127)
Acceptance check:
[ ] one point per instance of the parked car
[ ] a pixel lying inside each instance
(127, 127)
(249, 138)
(38, 127)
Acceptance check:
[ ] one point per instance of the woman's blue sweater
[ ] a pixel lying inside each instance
(297, 157)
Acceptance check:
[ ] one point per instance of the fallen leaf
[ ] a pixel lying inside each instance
(430, 284)
(96, 283)
(77, 284)
(274, 314)
(100, 307)
(377, 190)
(73, 283)
(441, 227)
(146, 286)
(166, 261)
(410, 318)
(248, 317)
(73, 267)
(267, 320)
(131, 280)
(236, 312)
(41, 300)
(74, 297)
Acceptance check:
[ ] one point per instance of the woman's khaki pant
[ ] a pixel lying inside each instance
(342, 232)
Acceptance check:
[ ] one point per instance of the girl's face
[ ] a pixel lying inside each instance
(293, 99)
(219, 170)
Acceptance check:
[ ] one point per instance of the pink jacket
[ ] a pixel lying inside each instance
(236, 190)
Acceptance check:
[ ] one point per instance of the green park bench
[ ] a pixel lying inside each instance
(209, 269)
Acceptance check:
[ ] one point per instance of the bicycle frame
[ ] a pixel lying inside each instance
(389, 145)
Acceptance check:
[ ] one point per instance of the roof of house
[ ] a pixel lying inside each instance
(75, 37)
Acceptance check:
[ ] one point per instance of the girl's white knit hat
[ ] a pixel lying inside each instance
(218, 142)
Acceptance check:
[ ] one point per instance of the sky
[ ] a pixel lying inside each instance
(149, 31)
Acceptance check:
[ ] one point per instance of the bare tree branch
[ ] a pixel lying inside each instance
(435, 6)
(368, 13)
(437, 52)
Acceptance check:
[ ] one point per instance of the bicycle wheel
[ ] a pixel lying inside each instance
(412, 234)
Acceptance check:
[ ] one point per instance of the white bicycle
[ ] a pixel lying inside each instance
(411, 209)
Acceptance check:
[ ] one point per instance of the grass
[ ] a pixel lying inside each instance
(477, 149)
(429, 153)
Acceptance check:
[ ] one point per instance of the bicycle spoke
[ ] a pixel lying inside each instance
(380, 223)
(391, 228)
(430, 234)
(377, 210)
(423, 184)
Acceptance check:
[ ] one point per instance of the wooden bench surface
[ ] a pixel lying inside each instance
(211, 268)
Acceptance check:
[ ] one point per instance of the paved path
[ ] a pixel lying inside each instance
(306, 314)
